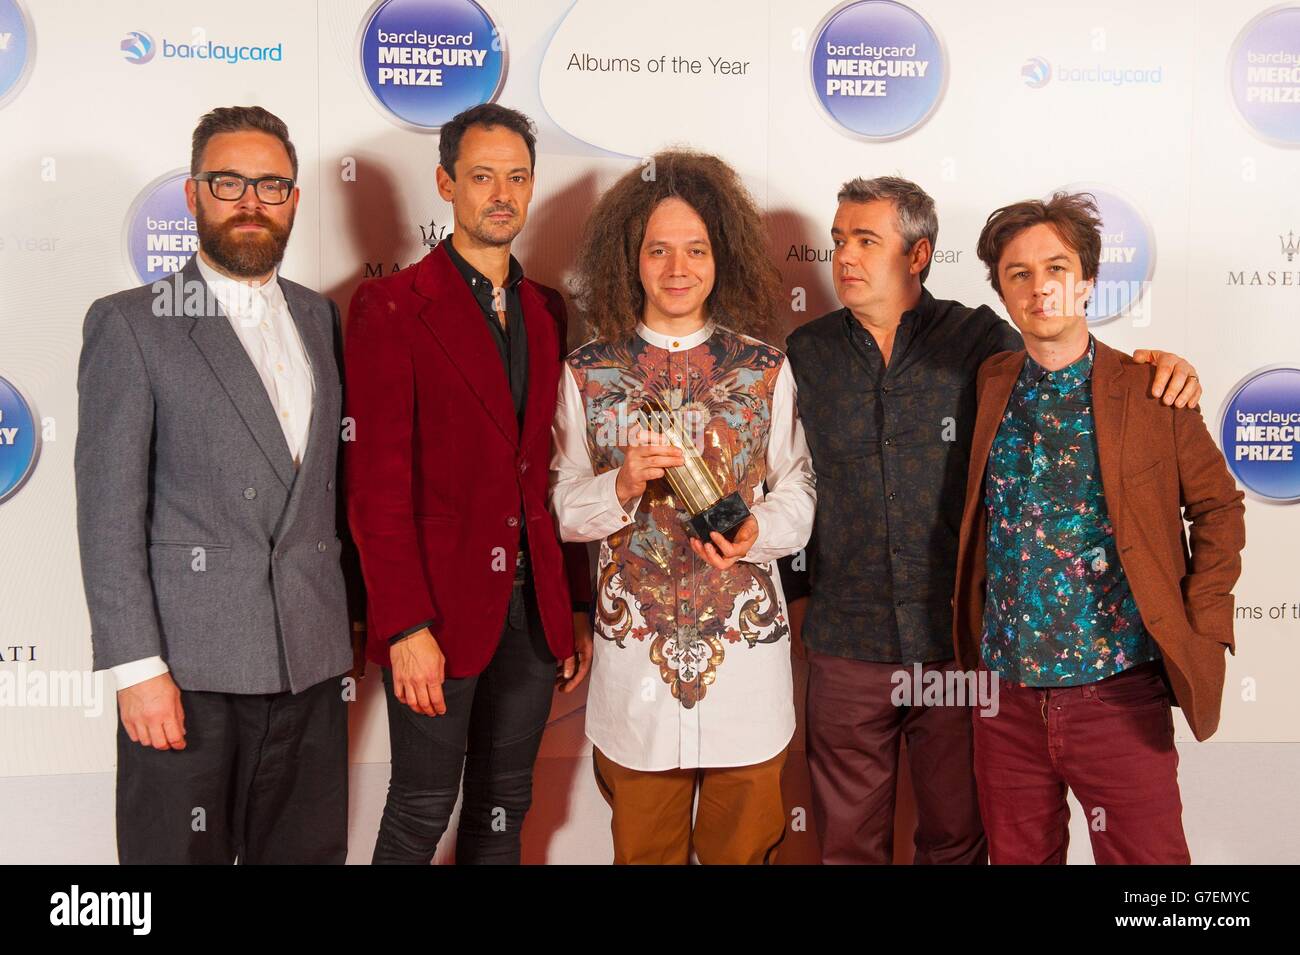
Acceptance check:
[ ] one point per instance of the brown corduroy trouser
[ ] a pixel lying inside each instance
(740, 820)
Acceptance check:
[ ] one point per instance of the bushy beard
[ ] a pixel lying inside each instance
(246, 255)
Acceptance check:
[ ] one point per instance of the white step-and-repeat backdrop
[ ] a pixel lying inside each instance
(1181, 116)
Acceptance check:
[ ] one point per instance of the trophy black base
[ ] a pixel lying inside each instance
(723, 516)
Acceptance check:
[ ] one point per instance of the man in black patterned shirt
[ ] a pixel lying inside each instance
(886, 390)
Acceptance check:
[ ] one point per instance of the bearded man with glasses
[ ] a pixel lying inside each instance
(211, 549)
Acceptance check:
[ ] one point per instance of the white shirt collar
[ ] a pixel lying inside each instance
(238, 297)
(669, 343)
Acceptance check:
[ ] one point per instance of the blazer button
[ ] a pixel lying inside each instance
(320, 546)
(512, 521)
(329, 485)
(250, 493)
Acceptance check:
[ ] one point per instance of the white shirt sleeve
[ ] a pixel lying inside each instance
(585, 505)
(785, 515)
(137, 671)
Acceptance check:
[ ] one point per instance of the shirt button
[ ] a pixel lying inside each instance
(250, 493)
(523, 466)
(892, 495)
(329, 485)
(512, 521)
(888, 442)
(285, 414)
(677, 344)
(623, 518)
(266, 326)
(320, 546)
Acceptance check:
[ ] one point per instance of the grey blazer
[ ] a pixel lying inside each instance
(199, 542)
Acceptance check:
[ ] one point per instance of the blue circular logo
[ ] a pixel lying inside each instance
(1128, 255)
(20, 440)
(161, 235)
(1264, 75)
(878, 68)
(17, 49)
(424, 61)
(137, 47)
(1260, 434)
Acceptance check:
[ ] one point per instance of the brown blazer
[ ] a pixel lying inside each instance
(1159, 465)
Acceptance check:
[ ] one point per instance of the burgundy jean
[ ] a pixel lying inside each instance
(854, 729)
(1110, 742)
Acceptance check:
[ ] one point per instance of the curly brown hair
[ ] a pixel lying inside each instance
(607, 278)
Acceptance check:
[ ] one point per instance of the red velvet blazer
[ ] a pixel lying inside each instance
(439, 478)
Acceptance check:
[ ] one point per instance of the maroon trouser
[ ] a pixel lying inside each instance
(854, 730)
(1111, 742)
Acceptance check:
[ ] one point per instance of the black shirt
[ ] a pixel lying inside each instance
(511, 342)
(891, 447)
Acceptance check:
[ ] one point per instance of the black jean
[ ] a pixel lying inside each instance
(263, 778)
(492, 729)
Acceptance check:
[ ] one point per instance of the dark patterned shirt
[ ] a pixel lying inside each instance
(891, 448)
(1058, 610)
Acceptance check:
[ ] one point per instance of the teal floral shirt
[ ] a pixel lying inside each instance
(1058, 609)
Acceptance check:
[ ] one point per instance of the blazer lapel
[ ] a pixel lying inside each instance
(456, 321)
(324, 372)
(212, 334)
(541, 330)
(1109, 413)
(992, 405)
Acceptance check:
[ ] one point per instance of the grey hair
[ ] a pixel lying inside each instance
(913, 208)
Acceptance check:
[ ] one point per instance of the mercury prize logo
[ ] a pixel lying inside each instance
(20, 440)
(1264, 75)
(161, 235)
(17, 49)
(1128, 255)
(878, 69)
(424, 61)
(1259, 431)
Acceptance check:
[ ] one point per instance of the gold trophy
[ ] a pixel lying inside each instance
(694, 486)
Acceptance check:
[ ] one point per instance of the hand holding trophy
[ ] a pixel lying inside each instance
(696, 489)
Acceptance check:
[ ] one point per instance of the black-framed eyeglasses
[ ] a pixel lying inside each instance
(231, 186)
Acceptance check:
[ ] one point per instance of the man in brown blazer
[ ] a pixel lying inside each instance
(1075, 585)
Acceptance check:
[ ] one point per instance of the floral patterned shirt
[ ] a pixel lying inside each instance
(1058, 610)
(691, 664)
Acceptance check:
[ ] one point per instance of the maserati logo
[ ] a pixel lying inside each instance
(1036, 72)
(433, 235)
(1272, 275)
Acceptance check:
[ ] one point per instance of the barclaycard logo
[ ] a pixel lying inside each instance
(137, 47)
(1036, 72)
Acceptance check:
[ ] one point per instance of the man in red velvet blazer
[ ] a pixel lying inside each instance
(452, 369)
